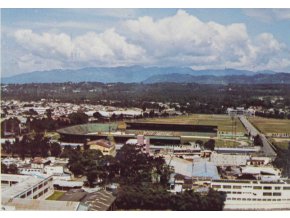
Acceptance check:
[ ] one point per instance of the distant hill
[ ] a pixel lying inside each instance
(124, 74)
(276, 78)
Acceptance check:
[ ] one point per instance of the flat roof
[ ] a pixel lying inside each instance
(24, 183)
(43, 205)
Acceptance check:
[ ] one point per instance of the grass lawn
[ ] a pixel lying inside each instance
(221, 142)
(223, 122)
(266, 125)
(56, 195)
(283, 144)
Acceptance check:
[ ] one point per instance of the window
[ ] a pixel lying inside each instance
(45, 190)
(28, 193)
(237, 187)
(286, 188)
(227, 186)
(267, 187)
(216, 186)
(22, 196)
(277, 188)
(276, 194)
(258, 187)
(267, 194)
(40, 186)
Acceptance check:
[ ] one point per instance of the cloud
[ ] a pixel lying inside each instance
(268, 15)
(104, 48)
(178, 40)
(183, 39)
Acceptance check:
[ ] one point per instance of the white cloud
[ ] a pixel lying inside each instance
(104, 48)
(183, 39)
(178, 40)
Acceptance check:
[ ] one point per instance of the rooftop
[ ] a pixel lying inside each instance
(23, 183)
(42, 205)
(101, 142)
(205, 169)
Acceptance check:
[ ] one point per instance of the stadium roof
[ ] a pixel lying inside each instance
(85, 129)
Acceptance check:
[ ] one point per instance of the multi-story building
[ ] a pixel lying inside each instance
(254, 194)
(26, 187)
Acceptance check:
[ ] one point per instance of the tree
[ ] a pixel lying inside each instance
(258, 141)
(92, 175)
(13, 169)
(86, 145)
(78, 118)
(55, 149)
(210, 144)
(199, 142)
(7, 147)
(4, 168)
(97, 115)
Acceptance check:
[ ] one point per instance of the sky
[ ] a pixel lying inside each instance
(46, 39)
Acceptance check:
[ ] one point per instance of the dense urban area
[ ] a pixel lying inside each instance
(117, 146)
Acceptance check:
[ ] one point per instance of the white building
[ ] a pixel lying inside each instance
(27, 187)
(254, 194)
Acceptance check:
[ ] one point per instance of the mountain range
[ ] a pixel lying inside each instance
(138, 74)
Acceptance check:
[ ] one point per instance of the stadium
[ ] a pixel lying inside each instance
(157, 133)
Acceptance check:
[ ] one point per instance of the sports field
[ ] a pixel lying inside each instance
(223, 122)
(266, 125)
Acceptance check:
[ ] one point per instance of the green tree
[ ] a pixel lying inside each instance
(210, 144)
(4, 168)
(13, 169)
(78, 118)
(55, 149)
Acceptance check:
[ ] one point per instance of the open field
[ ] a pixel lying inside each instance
(223, 122)
(55, 196)
(281, 143)
(266, 125)
(221, 142)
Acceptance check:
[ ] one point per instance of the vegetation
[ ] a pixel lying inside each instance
(141, 198)
(191, 97)
(11, 169)
(32, 146)
(258, 141)
(282, 160)
(223, 122)
(266, 125)
(56, 195)
(143, 180)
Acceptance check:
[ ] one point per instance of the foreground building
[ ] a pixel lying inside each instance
(254, 194)
(26, 187)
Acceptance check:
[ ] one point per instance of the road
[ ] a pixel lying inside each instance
(268, 148)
